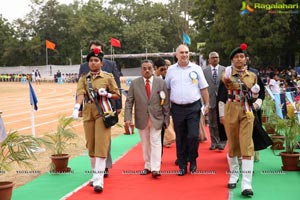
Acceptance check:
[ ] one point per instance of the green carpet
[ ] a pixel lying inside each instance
(269, 181)
(53, 187)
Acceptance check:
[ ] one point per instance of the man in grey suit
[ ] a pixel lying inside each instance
(148, 96)
(110, 67)
(213, 75)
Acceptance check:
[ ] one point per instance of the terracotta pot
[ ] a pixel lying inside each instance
(270, 131)
(6, 189)
(60, 162)
(127, 130)
(278, 141)
(264, 119)
(290, 161)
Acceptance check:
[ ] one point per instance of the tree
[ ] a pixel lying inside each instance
(223, 28)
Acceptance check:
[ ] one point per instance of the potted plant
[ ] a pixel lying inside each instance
(278, 136)
(290, 157)
(269, 116)
(58, 141)
(18, 149)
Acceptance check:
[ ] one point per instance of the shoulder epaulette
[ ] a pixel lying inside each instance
(107, 73)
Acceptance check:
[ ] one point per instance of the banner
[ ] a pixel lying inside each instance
(186, 39)
(115, 43)
(50, 45)
(33, 98)
(279, 105)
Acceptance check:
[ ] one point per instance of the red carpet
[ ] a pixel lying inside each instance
(210, 183)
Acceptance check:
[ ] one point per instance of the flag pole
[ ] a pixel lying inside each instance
(32, 122)
(46, 56)
(111, 52)
(113, 55)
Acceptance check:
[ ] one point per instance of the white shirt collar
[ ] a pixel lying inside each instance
(212, 68)
(150, 79)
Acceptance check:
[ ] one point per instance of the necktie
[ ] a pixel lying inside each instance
(215, 75)
(148, 88)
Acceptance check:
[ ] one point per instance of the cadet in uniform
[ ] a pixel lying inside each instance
(238, 118)
(96, 134)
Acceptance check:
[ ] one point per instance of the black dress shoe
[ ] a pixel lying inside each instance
(98, 189)
(155, 174)
(193, 168)
(220, 147)
(91, 183)
(232, 185)
(176, 162)
(106, 173)
(212, 147)
(182, 172)
(145, 172)
(247, 193)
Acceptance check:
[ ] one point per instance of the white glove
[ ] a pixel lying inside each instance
(76, 111)
(103, 92)
(228, 72)
(257, 104)
(255, 90)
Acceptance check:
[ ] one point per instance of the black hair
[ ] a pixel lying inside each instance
(159, 63)
(97, 43)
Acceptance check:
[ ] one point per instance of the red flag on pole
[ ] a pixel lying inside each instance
(50, 45)
(115, 43)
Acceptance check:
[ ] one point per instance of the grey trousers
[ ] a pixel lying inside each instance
(109, 159)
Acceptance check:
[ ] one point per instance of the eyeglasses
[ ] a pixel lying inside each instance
(214, 57)
(162, 69)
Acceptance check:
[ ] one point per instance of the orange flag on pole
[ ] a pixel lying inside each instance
(50, 45)
(115, 43)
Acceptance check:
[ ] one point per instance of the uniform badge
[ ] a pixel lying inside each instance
(162, 96)
(194, 77)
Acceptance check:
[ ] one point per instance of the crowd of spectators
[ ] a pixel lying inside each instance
(288, 79)
(67, 78)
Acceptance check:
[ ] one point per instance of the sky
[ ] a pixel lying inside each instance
(14, 9)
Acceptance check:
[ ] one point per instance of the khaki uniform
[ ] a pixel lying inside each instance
(237, 122)
(96, 134)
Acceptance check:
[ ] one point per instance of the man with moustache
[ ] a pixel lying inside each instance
(213, 76)
(148, 96)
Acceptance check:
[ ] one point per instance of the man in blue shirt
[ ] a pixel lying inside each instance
(187, 85)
